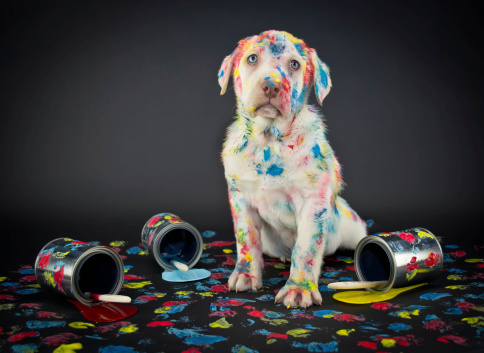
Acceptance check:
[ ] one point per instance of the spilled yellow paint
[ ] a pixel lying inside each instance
(474, 260)
(117, 243)
(129, 329)
(68, 348)
(137, 284)
(81, 325)
(345, 332)
(221, 323)
(3, 279)
(298, 332)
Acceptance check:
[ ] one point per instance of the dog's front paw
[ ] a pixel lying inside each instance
(242, 281)
(302, 293)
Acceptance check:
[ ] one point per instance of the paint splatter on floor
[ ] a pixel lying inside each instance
(196, 317)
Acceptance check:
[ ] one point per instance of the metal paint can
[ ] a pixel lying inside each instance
(73, 268)
(171, 238)
(401, 258)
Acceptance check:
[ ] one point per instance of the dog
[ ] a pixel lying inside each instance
(283, 177)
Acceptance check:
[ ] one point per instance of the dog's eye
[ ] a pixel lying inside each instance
(252, 59)
(294, 65)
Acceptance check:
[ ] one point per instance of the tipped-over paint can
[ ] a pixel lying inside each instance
(172, 239)
(401, 258)
(75, 269)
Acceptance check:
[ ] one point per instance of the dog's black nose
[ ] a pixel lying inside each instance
(271, 87)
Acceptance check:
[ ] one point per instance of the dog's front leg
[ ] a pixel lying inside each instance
(315, 224)
(248, 270)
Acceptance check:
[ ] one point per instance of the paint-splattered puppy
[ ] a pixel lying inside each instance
(283, 178)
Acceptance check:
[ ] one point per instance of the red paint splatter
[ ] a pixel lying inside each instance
(49, 314)
(31, 305)
(255, 313)
(407, 236)
(366, 344)
(217, 275)
(436, 325)
(249, 307)
(21, 335)
(192, 350)
(464, 306)
(453, 338)
(284, 274)
(219, 288)
(7, 297)
(129, 277)
(225, 313)
(302, 315)
(480, 265)
(348, 317)
(404, 341)
(77, 242)
(59, 339)
(27, 279)
(431, 260)
(459, 253)
(146, 298)
(384, 306)
(352, 268)
(412, 264)
(59, 276)
(277, 335)
(110, 327)
(44, 260)
(160, 323)
(230, 302)
(230, 260)
(221, 243)
(153, 221)
(173, 303)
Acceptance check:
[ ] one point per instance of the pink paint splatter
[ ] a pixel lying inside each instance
(384, 306)
(225, 313)
(366, 344)
(221, 243)
(256, 313)
(173, 303)
(453, 338)
(277, 335)
(160, 323)
(348, 317)
(464, 306)
(219, 288)
(44, 260)
(59, 339)
(436, 325)
(21, 335)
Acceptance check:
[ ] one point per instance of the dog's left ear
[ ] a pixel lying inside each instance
(322, 81)
(226, 70)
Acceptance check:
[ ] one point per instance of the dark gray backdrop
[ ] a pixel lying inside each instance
(110, 112)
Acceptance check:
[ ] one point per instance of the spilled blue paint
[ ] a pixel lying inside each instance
(191, 336)
(435, 296)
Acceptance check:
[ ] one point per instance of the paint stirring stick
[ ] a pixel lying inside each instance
(179, 265)
(109, 298)
(355, 285)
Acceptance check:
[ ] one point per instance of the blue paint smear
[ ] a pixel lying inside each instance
(262, 332)
(23, 348)
(317, 346)
(323, 77)
(369, 328)
(457, 270)
(134, 250)
(9, 284)
(266, 298)
(193, 337)
(431, 317)
(452, 246)
(28, 291)
(267, 153)
(27, 271)
(117, 349)
(274, 170)
(208, 234)
(322, 313)
(250, 322)
(317, 151)
(324, 288)
(44, 324)
(453, 311)
(435, 296)
(208, 261)
(397, 327)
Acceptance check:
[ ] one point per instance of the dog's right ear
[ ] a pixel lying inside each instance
(225, 71)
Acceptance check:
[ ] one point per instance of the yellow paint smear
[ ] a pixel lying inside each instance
(474, 260)
(129, 329)
(274, 322)
(68, 348)
(298, 332)
(184, 292)
(365, 297)
(117, 243)
(461, 287)
(221, 323)
(345, 332)
(388, 342)
(137, 284)
(228, 251)
(81, 325)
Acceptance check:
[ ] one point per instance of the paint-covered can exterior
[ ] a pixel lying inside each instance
(60, 266)
(414, 256)
(163, 225)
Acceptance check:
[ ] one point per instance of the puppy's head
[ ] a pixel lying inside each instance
(273, 73)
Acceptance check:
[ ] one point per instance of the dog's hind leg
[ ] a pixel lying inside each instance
(248, 270)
